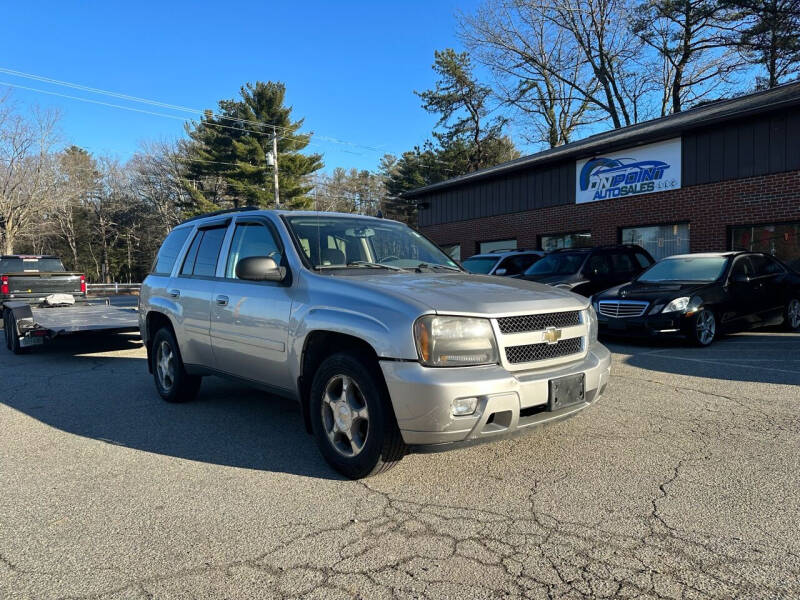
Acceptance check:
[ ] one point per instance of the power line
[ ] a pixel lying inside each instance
(166, 105)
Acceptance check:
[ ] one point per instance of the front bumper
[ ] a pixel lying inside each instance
(507, 403)
(668, 325)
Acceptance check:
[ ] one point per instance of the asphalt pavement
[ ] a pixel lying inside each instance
(682, 482)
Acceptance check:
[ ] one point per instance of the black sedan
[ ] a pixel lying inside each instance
(699, 296)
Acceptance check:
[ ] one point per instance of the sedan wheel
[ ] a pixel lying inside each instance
(793, 314)
(705, 327)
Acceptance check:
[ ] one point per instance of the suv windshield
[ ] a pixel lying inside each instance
(480, 264)
(559, 263)
(340, 242)
(686, 269)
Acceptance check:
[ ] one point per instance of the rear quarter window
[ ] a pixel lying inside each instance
(168, 253)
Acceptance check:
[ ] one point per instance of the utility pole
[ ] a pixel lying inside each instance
(275, 165)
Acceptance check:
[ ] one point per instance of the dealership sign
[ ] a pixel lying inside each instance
(641, 170)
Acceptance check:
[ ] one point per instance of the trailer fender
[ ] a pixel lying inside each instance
(22, 316)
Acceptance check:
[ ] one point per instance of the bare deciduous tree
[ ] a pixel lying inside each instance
(689, 37)
(27, 173)
(524, 52)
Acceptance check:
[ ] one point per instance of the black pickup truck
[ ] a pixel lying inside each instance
(33, 278)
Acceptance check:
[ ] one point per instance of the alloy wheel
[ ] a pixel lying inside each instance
(706, 327)
(165, 366)
(793, 313)
(345, 416)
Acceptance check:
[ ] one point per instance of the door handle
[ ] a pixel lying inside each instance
(174, 293)
(222, 300)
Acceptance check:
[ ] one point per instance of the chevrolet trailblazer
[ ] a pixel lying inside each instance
(386, 343)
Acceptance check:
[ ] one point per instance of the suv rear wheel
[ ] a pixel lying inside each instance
(352, 418)
(173, 383)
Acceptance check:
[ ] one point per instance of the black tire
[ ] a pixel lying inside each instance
(790, 322)
(6, 328)
(383, 445)
(696, 335)
(179, 386)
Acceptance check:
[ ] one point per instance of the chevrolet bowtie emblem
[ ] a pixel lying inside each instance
(552, 335)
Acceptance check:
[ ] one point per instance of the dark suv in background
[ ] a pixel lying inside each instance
(588, 271)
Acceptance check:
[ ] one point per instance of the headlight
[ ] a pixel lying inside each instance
(454, 341)
(677, 305)
(591, 320)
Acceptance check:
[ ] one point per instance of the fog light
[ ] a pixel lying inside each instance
(464, 406)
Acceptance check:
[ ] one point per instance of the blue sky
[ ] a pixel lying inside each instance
(350, 67)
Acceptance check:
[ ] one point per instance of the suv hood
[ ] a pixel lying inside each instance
(468, 294)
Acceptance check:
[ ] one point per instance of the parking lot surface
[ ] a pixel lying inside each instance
(682, 482)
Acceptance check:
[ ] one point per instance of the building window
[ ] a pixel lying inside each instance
(580, 239)
(659, 240)
(781, 240)
(452, 250)
(497, 245)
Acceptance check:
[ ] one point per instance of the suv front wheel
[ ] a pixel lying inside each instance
(352, 417)
(173, 383)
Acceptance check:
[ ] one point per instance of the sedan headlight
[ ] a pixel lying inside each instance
(677, 305)
(591, 321)
(444, 341)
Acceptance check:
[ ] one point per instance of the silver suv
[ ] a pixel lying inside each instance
(384, 341)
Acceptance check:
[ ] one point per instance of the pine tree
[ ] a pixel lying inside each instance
(769, 37)
(227, 158)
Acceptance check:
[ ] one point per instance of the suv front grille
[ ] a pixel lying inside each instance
(539, 322)
(622, 308)
(544, 351)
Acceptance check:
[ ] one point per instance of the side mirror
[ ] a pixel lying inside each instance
(501, 272)
(259, 268)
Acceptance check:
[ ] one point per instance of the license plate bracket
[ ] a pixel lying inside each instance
(566, 391)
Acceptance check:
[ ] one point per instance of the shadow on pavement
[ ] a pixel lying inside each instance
(763, 357)
(74, 385)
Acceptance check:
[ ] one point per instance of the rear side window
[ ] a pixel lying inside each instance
(622, 263)
(201, 260)
(169, 251)
(764, 265)
(643, 260)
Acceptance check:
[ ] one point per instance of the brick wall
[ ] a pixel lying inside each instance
(709, 209)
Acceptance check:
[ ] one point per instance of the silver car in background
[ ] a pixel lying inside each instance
(384, 341)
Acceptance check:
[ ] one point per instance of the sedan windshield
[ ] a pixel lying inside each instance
(480, 264)
(560, 263)
(706, 268)
(330, 242)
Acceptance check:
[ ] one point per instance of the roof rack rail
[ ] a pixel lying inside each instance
(501, 250)
(221, 212)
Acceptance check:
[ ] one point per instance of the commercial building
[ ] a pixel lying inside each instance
(725, 175)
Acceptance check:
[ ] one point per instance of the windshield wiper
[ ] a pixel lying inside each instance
(423, 265)
(360, 263)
